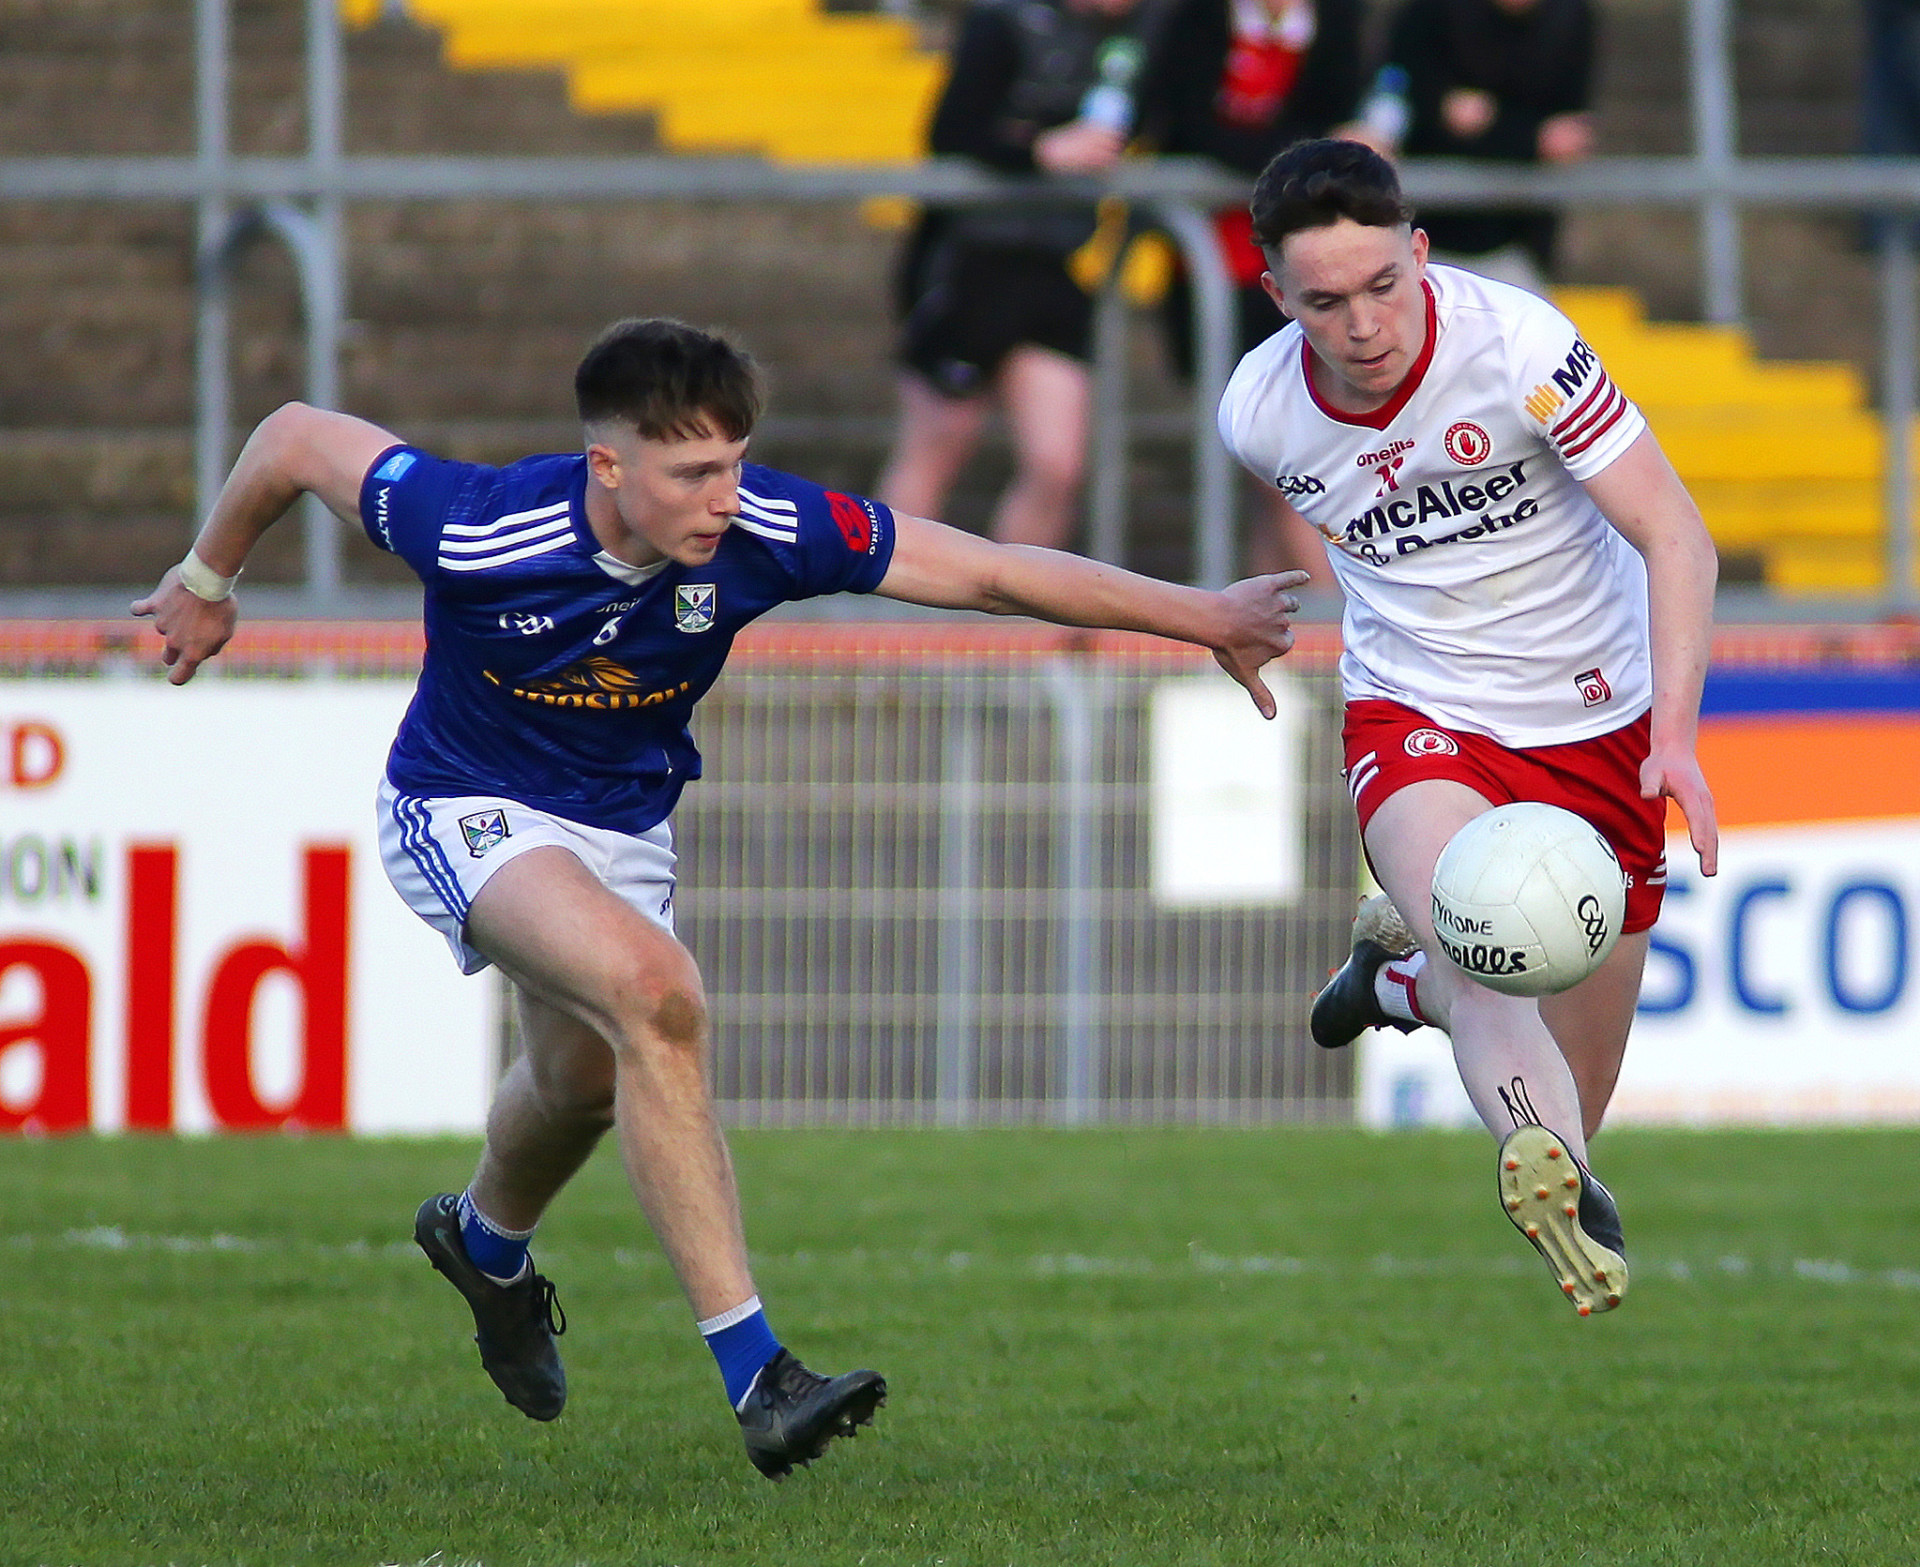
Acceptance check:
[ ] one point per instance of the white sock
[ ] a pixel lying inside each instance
(1394, 983)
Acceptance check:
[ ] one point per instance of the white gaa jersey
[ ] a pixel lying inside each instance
(1484, 588)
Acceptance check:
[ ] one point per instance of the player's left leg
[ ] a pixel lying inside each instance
(1591, 1022)
(594, 960)
(1047, 396)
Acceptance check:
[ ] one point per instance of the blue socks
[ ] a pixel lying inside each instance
(741, 1343)
(499, 1253)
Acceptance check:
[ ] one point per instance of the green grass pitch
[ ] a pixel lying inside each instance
(1149, 1347)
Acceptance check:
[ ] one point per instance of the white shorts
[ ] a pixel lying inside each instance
(440, 852)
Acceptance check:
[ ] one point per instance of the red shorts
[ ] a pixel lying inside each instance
(1389, 746)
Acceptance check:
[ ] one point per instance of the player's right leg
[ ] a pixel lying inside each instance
(552, 1107)
(1509, 1062)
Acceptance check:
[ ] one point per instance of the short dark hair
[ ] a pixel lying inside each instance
(668, 380)
(1314, 184)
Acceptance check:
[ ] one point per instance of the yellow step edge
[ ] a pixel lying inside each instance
(614, 13)
(487, 46)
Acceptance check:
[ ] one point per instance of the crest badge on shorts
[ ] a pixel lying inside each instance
(693, 606)
(1430, 742)
(484, 830)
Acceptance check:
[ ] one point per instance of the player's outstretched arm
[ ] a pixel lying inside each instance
(1642, 496)
(1245, 625)
(295, 450)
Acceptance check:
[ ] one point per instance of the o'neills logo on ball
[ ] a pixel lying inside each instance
(1430, 742)
(1467, 444)
(1483, 957)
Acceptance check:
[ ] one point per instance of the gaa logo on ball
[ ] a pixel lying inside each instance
(1528, 899)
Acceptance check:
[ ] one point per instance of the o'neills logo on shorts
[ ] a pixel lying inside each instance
(1430, 742)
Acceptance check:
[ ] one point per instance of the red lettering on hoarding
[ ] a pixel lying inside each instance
(35, 754)
(153, 919)
(318, 968)
(59, 1029)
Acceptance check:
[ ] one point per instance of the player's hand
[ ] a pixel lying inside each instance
(194, 629)
(1676, 774)
(1565, 138)
(1078, 147)
(1468, 112)
(1258, 630)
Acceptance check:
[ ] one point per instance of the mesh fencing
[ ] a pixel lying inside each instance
(918, 881)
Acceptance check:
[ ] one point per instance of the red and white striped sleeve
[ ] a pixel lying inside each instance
(1567, 394)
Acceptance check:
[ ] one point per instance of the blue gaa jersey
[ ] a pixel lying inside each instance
(560, 677)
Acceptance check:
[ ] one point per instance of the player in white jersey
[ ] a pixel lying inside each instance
(1529, 597)
(577, 607)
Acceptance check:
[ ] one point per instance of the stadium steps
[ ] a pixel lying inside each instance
(1785, 459)
(780, 78)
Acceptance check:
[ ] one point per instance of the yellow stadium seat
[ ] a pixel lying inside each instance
(781, 78)
(1785, 460)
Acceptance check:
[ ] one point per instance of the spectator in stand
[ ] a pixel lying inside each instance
(1507, 81)
(991, 309)
(1238, 81)
(1890, 95)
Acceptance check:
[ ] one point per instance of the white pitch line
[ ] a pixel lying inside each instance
(927, 1264)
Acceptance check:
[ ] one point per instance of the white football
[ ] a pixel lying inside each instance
(1528, 899)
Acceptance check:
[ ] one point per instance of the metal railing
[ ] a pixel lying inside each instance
(300, 200)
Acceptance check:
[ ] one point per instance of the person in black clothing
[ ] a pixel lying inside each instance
(1502, 80)
(1890, 88)
(990, 307)
(1238, 81)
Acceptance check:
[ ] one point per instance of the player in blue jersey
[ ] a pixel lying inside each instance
(577, 607)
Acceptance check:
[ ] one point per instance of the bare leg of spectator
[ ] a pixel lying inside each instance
(1047, 396)
(936, 437)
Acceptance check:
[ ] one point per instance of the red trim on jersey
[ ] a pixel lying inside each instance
(1597, 413)
(1568, 422)
(1382, 416)
(1608, 417)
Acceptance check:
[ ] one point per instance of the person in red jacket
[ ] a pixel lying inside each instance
(1239, 81)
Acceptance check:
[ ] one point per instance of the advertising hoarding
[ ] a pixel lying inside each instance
(195, 930)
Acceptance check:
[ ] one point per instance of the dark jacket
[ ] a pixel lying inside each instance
(1020, 67)
(1535, 66)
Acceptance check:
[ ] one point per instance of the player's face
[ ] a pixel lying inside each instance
(673, 498)
(1355, 290)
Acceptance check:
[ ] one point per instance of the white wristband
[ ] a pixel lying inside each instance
(202, 581)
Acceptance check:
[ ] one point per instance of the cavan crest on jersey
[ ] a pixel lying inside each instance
(561, 677)
(1483, 586)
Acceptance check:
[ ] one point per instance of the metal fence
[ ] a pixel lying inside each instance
(918, 879)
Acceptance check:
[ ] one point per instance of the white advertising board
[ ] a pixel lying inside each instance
(1229, 811)
(1780, 992)
(195, 930)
